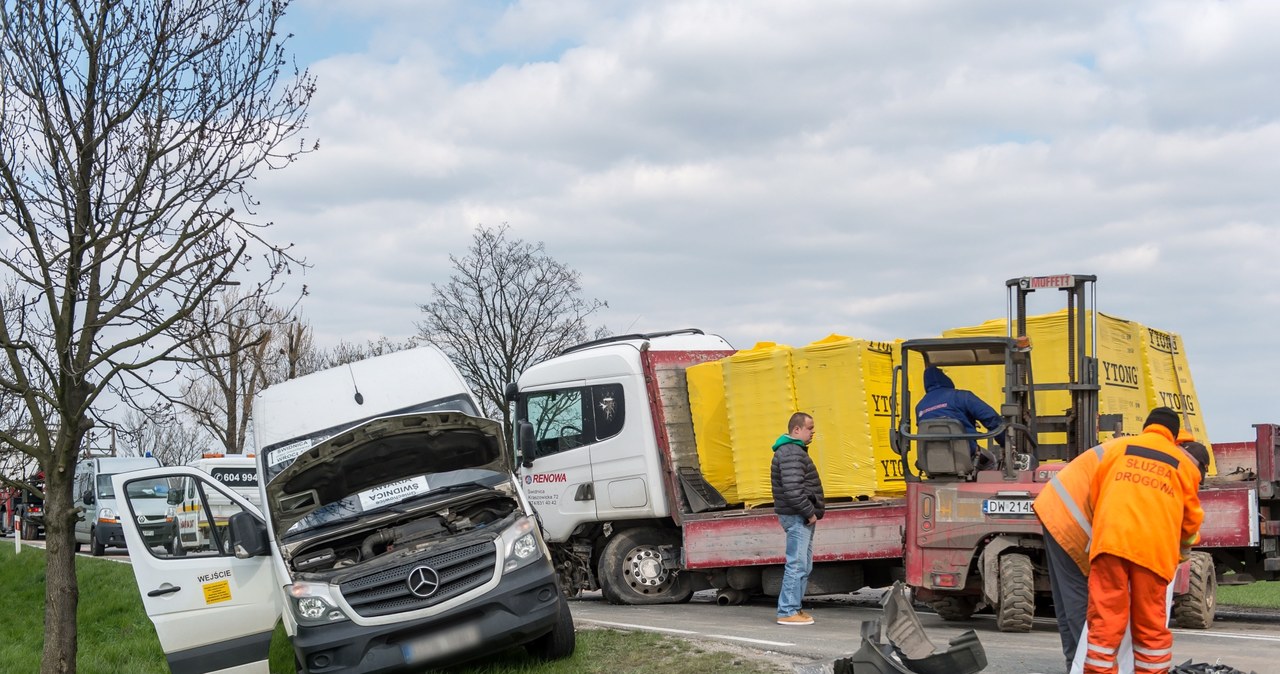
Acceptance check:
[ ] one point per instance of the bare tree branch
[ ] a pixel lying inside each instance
(507, 306)
(129, 133)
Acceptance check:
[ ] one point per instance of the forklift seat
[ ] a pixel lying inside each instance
(946, 454)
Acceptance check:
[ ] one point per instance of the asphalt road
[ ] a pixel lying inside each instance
(836, 632)
(1246, 643)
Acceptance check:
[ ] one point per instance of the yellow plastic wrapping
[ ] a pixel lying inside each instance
(1168, 373)
(1139, 368)
(711, 427)
(845, 383)
(759, 398)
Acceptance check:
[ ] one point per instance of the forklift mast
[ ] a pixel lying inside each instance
(1079, 423)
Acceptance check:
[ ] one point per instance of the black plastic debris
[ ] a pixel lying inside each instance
(902, 647)
(1189, 667)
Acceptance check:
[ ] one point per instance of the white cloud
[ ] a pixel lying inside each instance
(781, 171)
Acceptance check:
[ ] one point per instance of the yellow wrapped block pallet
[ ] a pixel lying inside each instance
(711, 427)
(845, 384)
(1120, 371)
(1168, 374)
(759, 398)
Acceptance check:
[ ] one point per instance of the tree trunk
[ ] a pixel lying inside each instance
(61, 593)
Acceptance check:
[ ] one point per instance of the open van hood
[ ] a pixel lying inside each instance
(379, 452)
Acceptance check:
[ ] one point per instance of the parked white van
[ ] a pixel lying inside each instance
(237, 471)
(99, 524)
(393, 534)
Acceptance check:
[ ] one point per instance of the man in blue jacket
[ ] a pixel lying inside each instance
(799, 504)
(942, 400)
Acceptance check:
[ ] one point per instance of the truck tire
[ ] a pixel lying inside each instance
(631, 570)
(954, 607)
(1195, 609)
(560, 641)
(30, 530)
(1017, 605)
(96, 548)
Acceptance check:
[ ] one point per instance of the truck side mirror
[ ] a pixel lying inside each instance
(524, 441)
(88, 497)
(248, 536)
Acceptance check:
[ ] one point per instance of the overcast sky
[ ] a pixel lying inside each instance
(784, 170)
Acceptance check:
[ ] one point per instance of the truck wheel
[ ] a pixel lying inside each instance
(29, 530)
(1195, 609)
(1017, 594)
(560, 641)
(96, 548)
(954, 607)
(631, 570)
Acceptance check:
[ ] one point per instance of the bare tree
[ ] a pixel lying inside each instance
(236, 348)
(169, 437)
(507, 306)
(350, 352)
(129, 131)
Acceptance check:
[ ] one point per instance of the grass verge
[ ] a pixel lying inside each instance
(115, 634)
(1254, 595)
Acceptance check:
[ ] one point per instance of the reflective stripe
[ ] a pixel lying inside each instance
(1162, 667)
(1073, 508)
(1101, 649)
(1105, 664)
(1153, 651)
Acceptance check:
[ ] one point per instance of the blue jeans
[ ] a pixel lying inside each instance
(795, 575)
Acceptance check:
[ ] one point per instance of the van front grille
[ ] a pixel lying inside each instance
(440, 576)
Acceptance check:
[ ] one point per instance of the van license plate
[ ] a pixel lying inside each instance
(1007, 506)
(441, 643)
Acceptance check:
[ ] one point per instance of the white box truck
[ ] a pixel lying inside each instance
(239, 472)
(393, 534)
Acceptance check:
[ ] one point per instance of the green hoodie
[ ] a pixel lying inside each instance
(788, 440)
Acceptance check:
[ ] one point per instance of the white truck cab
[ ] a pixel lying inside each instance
(392, 534)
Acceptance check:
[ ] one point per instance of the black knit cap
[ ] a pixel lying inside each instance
(1165, 417)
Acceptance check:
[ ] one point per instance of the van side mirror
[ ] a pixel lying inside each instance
(248, 536)
(174, 497)
(524, 441)
(511, 391)
(88, 497)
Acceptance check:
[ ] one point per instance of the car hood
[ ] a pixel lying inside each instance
(382, 451)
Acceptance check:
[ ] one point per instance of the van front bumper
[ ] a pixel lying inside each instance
(523, 606)
(112, 535)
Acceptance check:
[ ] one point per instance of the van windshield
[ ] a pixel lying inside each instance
(400, 491)
(156, 488)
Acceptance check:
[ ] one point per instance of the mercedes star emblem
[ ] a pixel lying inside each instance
(423, 581)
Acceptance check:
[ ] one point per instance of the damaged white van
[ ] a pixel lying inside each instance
(393, 534)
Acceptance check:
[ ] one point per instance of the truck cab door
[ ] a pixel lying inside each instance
(558, 483)
(212, 611)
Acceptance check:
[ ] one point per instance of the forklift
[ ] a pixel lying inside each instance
(972, 539)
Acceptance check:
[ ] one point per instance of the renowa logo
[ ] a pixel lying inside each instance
(543, 478)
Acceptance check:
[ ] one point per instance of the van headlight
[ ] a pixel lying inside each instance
(314, 604)
(522, 544)
(107, 516)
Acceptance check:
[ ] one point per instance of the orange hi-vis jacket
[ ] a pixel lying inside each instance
(1063, 505)
(1145, 502)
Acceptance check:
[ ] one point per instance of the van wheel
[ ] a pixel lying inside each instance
(175, 547)
(560, 641)
(631, 570)
(96, 548)
(1017, 594)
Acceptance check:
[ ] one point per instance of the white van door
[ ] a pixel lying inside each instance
(212, 611)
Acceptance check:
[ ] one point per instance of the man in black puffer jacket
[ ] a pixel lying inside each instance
(798, 502)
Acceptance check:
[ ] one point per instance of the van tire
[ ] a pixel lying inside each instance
(175, 547)
(96, 548)
(630, 569)
(560, 641)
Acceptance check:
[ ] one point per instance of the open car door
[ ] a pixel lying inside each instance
(212, 611)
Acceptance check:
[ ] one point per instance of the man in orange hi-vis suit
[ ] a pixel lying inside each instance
(1146, 516)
